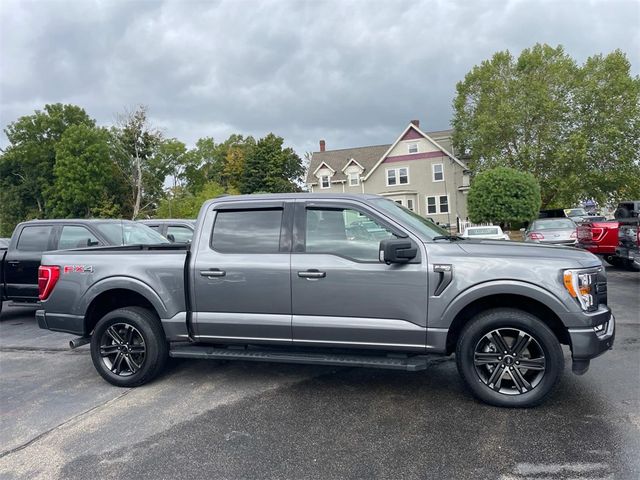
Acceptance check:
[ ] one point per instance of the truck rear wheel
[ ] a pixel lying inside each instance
(128, 347)
(509, 358)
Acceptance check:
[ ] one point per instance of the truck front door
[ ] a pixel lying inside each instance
(342, 295)
(240, 273)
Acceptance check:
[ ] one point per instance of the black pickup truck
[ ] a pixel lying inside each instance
(19, 262)
(628, 249)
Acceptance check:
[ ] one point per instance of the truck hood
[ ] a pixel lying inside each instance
(501, 248)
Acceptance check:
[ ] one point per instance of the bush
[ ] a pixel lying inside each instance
(504, 195)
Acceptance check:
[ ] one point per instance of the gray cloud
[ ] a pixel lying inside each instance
(352, 72)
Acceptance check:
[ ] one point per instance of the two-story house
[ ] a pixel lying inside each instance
(418, 170)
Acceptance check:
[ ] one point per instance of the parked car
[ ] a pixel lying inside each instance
(20, 261)
(175, 230)
(552, 231)
(277, 278)
(4, 243)
(602, 238)
(488, 233)
(628, 250)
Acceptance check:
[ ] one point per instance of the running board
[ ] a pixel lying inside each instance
(409, 364)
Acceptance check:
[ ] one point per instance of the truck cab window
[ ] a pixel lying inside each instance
(34, 238)
(247, 231)
(74, 236)
(344, 232)
(180, 234)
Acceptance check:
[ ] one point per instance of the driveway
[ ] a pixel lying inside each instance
(206, 419)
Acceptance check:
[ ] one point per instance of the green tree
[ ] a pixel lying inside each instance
(26, 165)
(180, 203)
(85, 182)
(566, 124)
(503, 195)
(271, 168)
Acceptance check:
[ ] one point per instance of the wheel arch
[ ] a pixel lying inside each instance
(113, 295)
(529, 298)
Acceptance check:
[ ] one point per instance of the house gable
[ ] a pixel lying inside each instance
(399, 150)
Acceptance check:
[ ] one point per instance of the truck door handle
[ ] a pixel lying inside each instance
(312, 273)
(13, 262)
(214, 272)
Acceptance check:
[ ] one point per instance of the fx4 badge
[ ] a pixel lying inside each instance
(77, 269)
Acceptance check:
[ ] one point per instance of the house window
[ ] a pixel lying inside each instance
(439, 204)
(438, 172)
(444, 204)
(410, 204)
(398, 202)
(398, 176)
(413, 148)
(354, 179)
(431, 205)
(325, 182)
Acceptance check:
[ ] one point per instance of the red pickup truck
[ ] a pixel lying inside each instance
(600, 238)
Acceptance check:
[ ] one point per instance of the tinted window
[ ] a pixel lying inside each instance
(130, 233)
(34, 238)
(180, 234)
(554, 223)
(76, 237)
(247, 231)
(482, 231)
(344, 232)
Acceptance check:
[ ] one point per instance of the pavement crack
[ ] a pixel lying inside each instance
(66, 422)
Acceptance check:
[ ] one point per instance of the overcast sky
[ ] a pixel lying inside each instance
(351, 72)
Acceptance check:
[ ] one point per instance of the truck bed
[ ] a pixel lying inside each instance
(157, 272)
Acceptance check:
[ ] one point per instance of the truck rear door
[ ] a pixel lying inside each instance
(23, 260)
(240, 273)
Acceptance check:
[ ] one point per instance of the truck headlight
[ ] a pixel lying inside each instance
(581, 285)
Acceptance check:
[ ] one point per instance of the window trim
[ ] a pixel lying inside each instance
(357, 178)
(397, 176)
(433, 172)
(411, 144)
(437, 204)
(328, 177)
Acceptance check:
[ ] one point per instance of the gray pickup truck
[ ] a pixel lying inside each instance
(350, 280)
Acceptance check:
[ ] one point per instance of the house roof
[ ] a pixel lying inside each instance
(367, 157)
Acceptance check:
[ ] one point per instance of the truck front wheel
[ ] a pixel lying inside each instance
(128, 347)
(509, 358)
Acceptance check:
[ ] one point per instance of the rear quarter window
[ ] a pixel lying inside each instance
(34, 238)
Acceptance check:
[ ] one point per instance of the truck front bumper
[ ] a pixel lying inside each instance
(588, 343)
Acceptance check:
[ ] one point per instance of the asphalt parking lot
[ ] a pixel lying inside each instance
(206, 419)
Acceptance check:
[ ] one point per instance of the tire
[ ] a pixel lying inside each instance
(491, 376)
(614, 261)
(129, 347)
(621, 213)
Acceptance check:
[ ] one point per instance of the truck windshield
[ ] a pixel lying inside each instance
(423, 226)
(130, 233)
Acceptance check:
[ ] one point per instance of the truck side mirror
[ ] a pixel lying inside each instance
(171, 238)
(397, 250)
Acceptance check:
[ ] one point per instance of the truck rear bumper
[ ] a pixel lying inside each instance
(60, 322)
(588, 343)
(629, 254)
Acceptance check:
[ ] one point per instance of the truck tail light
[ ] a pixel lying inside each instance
(596, 233)
(536, 236)
(47, 278)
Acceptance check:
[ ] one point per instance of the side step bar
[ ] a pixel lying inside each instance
(410, 364)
